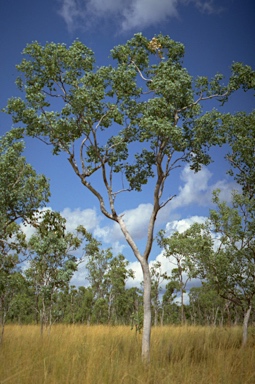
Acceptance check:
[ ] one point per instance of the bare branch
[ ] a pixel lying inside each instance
(140, 73)
(201, 98)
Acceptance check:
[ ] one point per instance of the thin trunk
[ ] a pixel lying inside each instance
(41, 320)
(147, 313)
(43, 316)
(147, 283)
(2, 318)
(155, 316)
(162, 316)
(183, 317)
(215, 317)
(245, 326)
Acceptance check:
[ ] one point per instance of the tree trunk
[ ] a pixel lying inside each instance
(182, 308)
(215, 317)
(2, 320)
(162, 316)
(245, 326)
(147, 313)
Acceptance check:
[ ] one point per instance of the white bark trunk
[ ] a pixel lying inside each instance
(147, 313)
(245, 326)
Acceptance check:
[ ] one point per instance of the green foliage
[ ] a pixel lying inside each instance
(182, 249)
(206, 305)
(22, 194)
(107, 276)
(148, 97)
(22, 191)
(241, 137)
(232, 266)
(52, 261)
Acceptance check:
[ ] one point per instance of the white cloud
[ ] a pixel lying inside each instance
(183, 224)
(138, 275)
(144, 13)
(136, 221)
(87, 217)
(70, 12)
(197, 190)
(129, 14)
(194, 189)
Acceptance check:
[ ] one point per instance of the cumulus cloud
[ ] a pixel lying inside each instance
(144, 13)
(183, 224)
(87, 217)
(136, 221)
(128, 14)
(196, 189)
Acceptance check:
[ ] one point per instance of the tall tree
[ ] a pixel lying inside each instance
(130, 123)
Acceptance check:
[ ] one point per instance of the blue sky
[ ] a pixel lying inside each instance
(215, 33)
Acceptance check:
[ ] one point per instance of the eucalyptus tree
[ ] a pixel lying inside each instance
(22, 191)
(206, 306)
(52, 261)
(126, 124)
(157, 278)
(182, 250)
(107, 275)
(117, 276)
(232, 266)
(170, 310)
(22, 194)
(241, 138)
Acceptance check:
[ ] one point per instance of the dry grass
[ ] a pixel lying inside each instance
(101, 354)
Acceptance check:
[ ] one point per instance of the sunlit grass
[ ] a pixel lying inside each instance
(101, 354)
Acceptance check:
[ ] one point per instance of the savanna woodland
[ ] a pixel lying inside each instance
(121, 126)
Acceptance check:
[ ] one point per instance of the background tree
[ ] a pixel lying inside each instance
(182, 249)
(117, 276)
(107, 275)
(157, 278)
(206, 306)
(52, 261)
(22, 194)
(230, 267)
(22, 191)
(170, 310)
(241, 138)
(130, 123)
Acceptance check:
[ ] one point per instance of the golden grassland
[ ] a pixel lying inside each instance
(80, 354)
